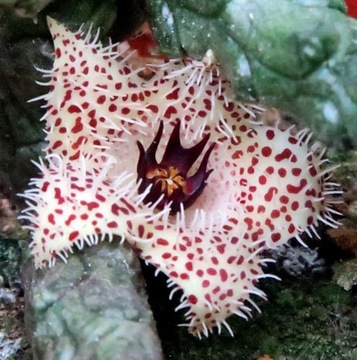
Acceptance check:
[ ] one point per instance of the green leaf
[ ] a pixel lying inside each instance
(297, 55)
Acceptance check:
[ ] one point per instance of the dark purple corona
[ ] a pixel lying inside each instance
(168, 179)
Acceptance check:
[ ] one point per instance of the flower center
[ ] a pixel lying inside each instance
(169, 178)
(167, 182)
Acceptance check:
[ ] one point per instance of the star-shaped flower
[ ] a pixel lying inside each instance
(172, 164)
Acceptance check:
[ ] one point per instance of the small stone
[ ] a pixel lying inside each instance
(7, 297)
(345, 274)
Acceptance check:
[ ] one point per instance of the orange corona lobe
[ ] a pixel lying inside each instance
(169, 178)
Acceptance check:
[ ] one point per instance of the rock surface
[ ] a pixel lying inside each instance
(90, 308)
(296, 55)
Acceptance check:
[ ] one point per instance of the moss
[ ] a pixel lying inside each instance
(10, 258)
(303, 319)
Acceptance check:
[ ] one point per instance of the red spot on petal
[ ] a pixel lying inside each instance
(101, 99)
(296, 171)
(282, 172)
(261, 209)
(91, 114)
(73, 109)
(237, 154)
(284, 199)
(192, 299)
(125, 110)
(112, 224)
(249, 222)
(266, 151)
(296, 189)
(78, 127)
(115, 209)
(223, 274)
(221, 248)
(171, 110)
(112, 108)
(73, 235)
(51, 219)
(269, 224)
(101, 198)
(173, 95)
(92, 205)
(262, 180)
(286, 154)
(163, 242)
(292, 140)
(45, 186)
(270, 134)
(271, 192)
(291, 228)
(240, 260)
(57, 144)
(70, 219)
(276, 237)
(153, 108)
(313, 171)
(294, 205)
(211, 271)
(216, 290)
